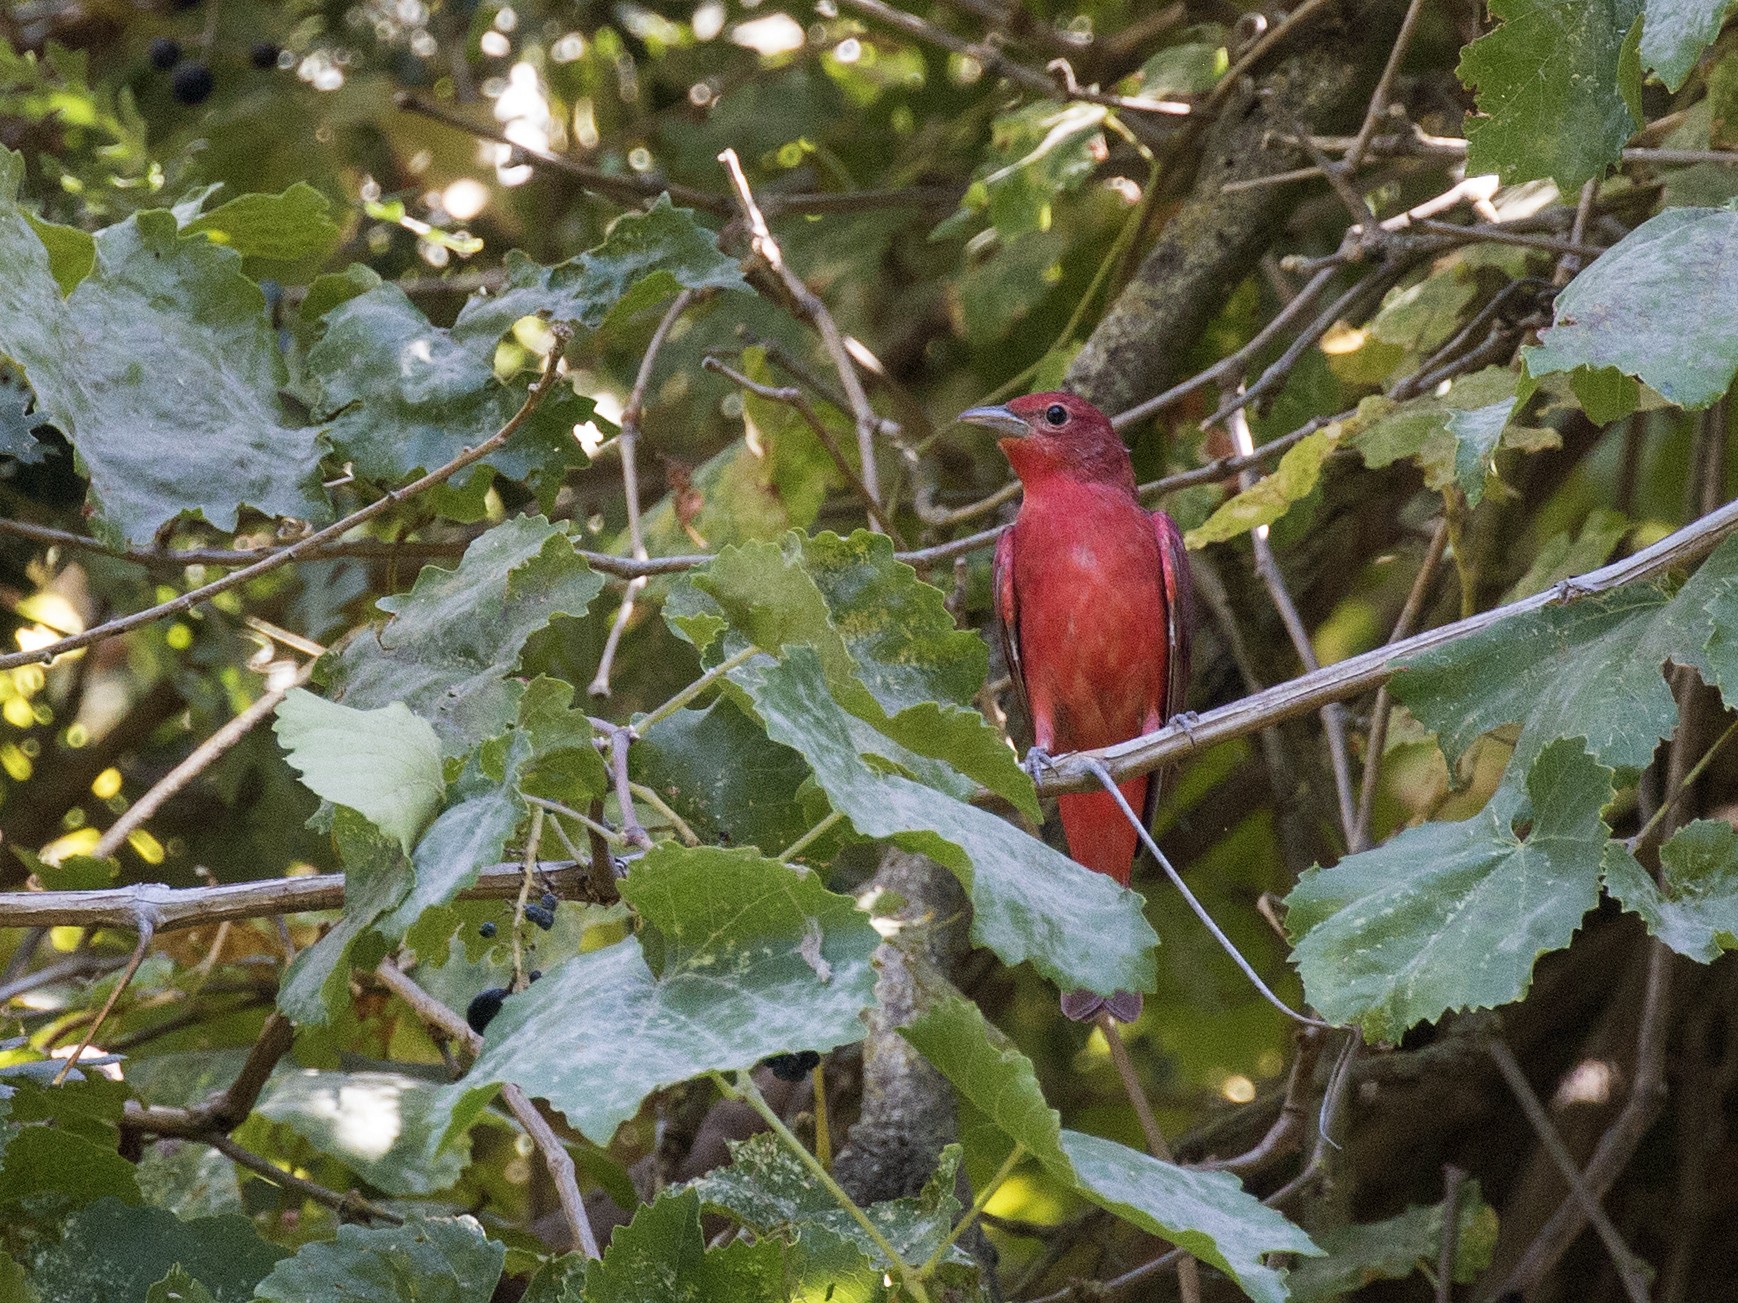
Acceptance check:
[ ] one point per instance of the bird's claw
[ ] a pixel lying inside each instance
(1186, 720)
(1566, 591)
(1038, 763)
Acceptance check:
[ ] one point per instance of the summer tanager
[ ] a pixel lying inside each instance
(1092, 597)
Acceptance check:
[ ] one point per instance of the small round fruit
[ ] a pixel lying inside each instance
(164, 53)
(264, 55)
(793, 1067)
(486, 929)
(192, 83)
(534, 974)
(550, 900)
(483, 1008)
(544, 918)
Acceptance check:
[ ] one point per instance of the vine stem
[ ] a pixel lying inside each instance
(809, 838)
(745, 1090)
(978, 1205)
(1695, 772)
(695, 688)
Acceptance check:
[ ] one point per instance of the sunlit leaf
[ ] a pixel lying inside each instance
(380, 1125)
(427, 1260)
(662, 1255)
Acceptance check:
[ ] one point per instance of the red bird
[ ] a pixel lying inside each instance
(1092, 598)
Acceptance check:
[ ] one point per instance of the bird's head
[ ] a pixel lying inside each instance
(1053, 433)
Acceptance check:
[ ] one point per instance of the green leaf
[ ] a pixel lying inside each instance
(1452, 916)
(1270, 497)
(1674, 34)
(661, 1257)
(990, 1071)
(770, 1191)
(1658, 305)
(293, 227)
(71, 252)
(178, 1287)
(114, 1253)
(758, 799)
(1449, 434)
(377, 875)
(48, 1170)
(1395, 1248)
(15, 1284)
(737, 978)
(1590, 669)
(1563, 556)
(385, 764)
(383, 1126)
(1548, 90)
(1694, 906)
(1079, 928)
(401, 395)
(1036, 153)
(646, 258)
(456, 636)
(550, 753)
(1207, 1213)
(200, 429)
(427, 1260)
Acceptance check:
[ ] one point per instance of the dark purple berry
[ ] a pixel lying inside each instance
(486, 929)
(483, 1008)
(164, 53)
(534, 974)
(550, 900)
(793, 1067)
(264, 55)
(544, 918)
(192, 83)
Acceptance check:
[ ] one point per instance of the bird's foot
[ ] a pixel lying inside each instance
(1038, 764)
(1186, 720)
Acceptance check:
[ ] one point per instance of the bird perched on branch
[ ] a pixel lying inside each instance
(1093, 602)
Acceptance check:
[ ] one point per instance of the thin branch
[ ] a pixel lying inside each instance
(195, 596)
(1453, 1178)
(632, 832)
(196, 762)
(1384, 84)
(983, 53)
(1286, 1134)
(1357, 674)
(140, 949)
(627, 443)
(228, 1108)
(798, 401)
(1630, 1271)
(767, 249)
(347, 1203)
(1188, 1271)
(537, 1127)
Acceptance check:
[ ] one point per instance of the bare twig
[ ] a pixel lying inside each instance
(228, 1108)
(632, 832)
(798, 401)
(197, 761)
(767, 249)
(195, 596)
(348, 1203)
(1385, 84)
(537, 1127)
(1453, 1178)
(146, 931)
(1188, 1272)
(1630, 1271)
(627, 443)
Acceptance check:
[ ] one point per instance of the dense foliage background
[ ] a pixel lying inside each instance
(480, 520)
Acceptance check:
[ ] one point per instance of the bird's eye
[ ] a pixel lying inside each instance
(1056, 414)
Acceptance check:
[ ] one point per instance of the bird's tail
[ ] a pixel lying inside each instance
(1099, 836)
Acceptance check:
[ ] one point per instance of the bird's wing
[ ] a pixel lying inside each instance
(1007, 617)
(1179, 611)
(1179, 595)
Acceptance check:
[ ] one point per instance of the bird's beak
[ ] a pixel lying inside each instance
(999, 419)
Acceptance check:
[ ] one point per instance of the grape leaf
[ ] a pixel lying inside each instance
(293, 227)
(456, 636)
(427, 1260)
(1271, 496)
(178, 1287)
(1453, 915)
(1675, 32)
(645, 258)
(1694, 906)
(385, 764)
(718, 981)
(1395, 1248)
(381, 1125)
(770, 1191)
(201, 429)
(1079, 928)
(401, 395)
(1590, 669)
(1657, 305)
(1550, 91)
(1207, 1213)
(662, 1255)
(111, 1252)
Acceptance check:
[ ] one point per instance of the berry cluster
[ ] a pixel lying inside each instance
(190, 80)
